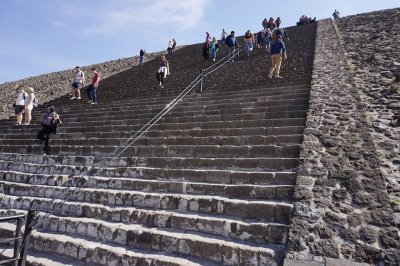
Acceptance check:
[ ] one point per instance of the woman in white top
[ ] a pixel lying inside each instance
(20, 103)
(29, 105)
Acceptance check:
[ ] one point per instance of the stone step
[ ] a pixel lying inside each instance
(224, 226)
(161, 162)
(198, 132)
(107, 254)
(262, 210)
(35, 258)
(237, 140)
(220, 176)
(283, 122)
(195, 100)
(118, 121)
(106, 115)
(179, 117)
(205, 151)
(203, 106)
(239, 191)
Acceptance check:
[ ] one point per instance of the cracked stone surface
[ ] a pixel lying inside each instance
(348, 180)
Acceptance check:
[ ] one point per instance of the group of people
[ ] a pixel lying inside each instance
(306, 20)
(24, 103)
(79, 82)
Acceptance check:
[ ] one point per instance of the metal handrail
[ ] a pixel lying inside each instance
(129, 142)
(20, 240)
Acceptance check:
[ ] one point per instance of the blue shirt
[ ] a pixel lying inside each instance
(278, 47)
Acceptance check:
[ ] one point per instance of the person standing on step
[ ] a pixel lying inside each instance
(223, 37)
(336, 14)
(271, 24)
(232, 45)
(50, 122)
(249, 40)
(162, 70)
(79, 80)
(29, 105)
(214, 48)
(267, 39)
(173, 46)
(280, 33)
(264, 23)
(169, 49)
(277, 51)
(260, 39)
(19, 105)
(206, 47)
(142, 55)
(91, 91)
(278, 22)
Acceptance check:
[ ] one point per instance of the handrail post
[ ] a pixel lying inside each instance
(201, 82)
(17, 241)
(25, 239)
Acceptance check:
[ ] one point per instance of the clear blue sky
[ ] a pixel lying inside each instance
(41, 36)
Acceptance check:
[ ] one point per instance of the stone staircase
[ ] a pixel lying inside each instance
(211, 183)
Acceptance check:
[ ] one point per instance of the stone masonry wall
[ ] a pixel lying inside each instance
(54, 85)
(343, 207)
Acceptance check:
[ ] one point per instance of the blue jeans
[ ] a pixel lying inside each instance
(249, 47)
(141, 60)
(91, 92)
(267, 43)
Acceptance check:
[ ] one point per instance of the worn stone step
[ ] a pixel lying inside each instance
(239, 191)
(236, 140)
(107, 254)
(78, 106)
(206, 151)
(235, 176)
(163, 162)
(198, 132)
(169, 126)
(223, 226)
(262, 210)
(35, 258)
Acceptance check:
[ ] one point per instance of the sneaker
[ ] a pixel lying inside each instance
(93, 103)
(160, 84)
(17, 124)
(277, 76)
(270, 76)
(78, 98)
(73, 97)
(89, 101)
(214, 59)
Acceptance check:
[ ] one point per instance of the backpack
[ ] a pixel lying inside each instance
(35, 102)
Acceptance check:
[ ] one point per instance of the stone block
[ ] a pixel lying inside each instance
(230, 255)
(170, 244)
(341, 262)
(248, 257)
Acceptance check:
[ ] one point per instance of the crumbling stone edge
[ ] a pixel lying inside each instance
(341, 211)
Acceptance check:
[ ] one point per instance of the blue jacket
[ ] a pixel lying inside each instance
(278, 47)
(231, 41)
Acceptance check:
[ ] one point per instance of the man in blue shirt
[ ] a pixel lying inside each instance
(232, 45)
(277, 51)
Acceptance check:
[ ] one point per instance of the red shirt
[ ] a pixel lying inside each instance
(96, 79)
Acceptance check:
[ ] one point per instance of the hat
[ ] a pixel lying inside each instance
(29, 90)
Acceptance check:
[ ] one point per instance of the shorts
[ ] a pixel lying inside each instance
(19, 109)
(76, 85)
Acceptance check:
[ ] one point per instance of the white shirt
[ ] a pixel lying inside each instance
(20, 98)
(79, 76)
(224, 35)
